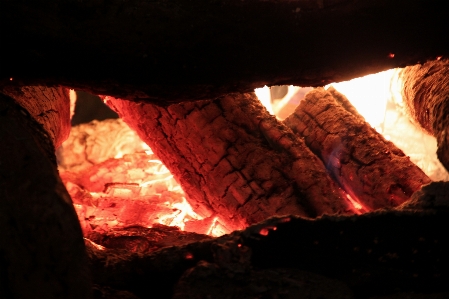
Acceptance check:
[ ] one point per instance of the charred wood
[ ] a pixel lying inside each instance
(371, 169)
(425, 92)
(395, 253)
(235, 159)
(101, 292)
(144, 274)
(144, 240)
(208, 279)
(42, 253)
(49, 106)
(172, 51)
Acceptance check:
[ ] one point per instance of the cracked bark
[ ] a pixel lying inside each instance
(425, 92)
(234, 159)
(49, 106)
(370, 168)
(42, 254)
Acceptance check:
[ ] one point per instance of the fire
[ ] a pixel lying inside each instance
(115, 180)
(377, 97)
(369, 95)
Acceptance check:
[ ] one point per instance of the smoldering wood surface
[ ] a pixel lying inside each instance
(395, 253)
(50, 106)
(425, 91)
(371, 169)
(234, 159)
(143, 240)
(171, 51)
(41, 245)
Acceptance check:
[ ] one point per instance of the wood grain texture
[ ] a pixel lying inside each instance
(425, 92)
(235, 159)
(371, 169)
(49, 106)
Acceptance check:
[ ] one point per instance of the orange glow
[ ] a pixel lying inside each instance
(72, 96)
(97, 246)
(369, 95)
(378, 98)
(117, 182)
(264, 232)
(263, 94)
(391, 55)
(359, 208)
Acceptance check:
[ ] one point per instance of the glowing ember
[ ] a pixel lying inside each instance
(356, 204)
(115, 180)
(97, 246)
(72, 97)
(264, 232)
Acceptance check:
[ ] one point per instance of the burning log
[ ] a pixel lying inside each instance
(169, 51)
(371, 169)
(425, 91)
(49, 106)
(42, 254)
(234, 159)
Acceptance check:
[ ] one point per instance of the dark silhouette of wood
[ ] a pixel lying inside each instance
(397, 253)
(176, 50)
(49, 106)
(42, 253)
(371, 169)
(234, 159)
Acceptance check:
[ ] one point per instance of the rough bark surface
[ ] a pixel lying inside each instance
(235, 159)
(42, 253)
(371, 169)
(391, 254)
(49, 106)
(425, 92)
(177, 50)
(144, 240)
